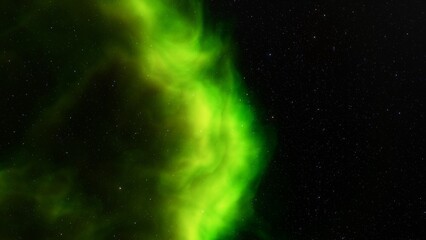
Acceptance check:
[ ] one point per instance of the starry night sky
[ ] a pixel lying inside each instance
(343, 82)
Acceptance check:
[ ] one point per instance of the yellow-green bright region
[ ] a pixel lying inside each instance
(209, 183)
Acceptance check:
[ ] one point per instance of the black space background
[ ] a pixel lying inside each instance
(343, 84)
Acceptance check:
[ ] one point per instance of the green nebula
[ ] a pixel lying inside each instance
(122, 120)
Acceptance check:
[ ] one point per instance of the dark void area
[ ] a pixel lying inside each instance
(343, 83)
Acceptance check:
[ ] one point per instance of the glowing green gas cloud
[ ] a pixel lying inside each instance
(192, 174)
(209, 178)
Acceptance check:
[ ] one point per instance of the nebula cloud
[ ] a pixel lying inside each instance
(122, 120)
